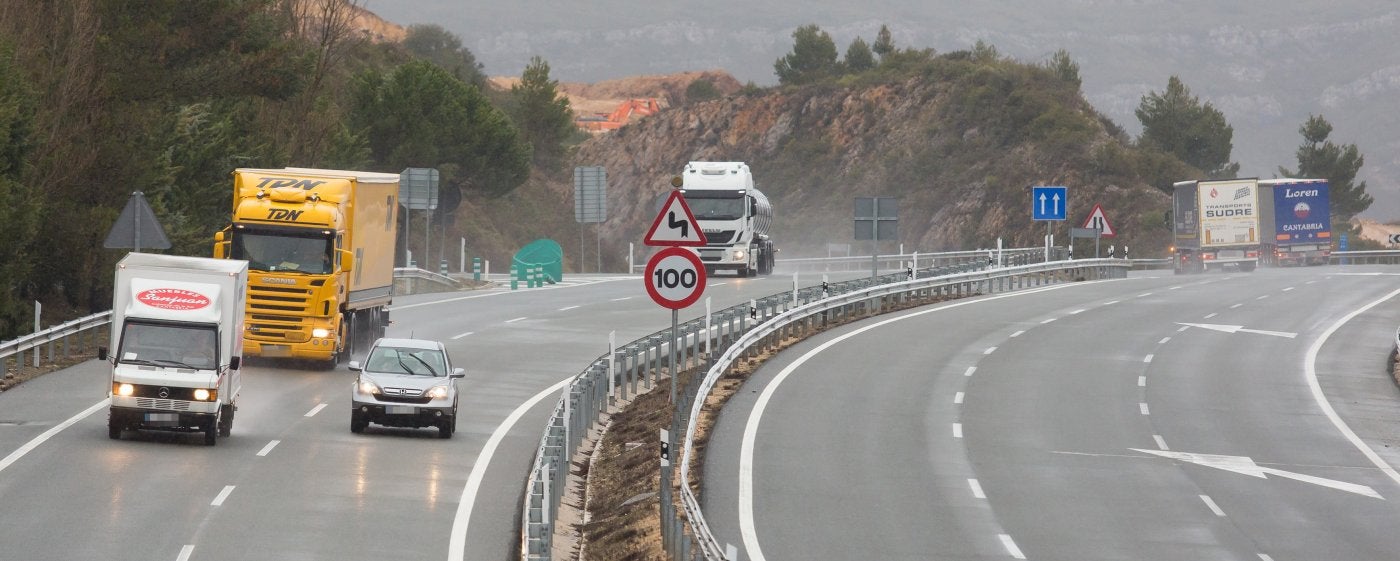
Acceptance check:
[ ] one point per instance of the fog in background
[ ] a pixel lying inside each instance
(1266, 64)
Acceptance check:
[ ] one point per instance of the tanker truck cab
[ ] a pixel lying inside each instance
(734, 215)
(176, 344)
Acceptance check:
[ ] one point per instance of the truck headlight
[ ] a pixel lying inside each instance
(320, 332)
(202, 394)
(124, 390)
(368, 387)
(437, 392)
(739, 254)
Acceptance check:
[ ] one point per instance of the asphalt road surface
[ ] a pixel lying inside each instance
(1159, 417)
(292, 482)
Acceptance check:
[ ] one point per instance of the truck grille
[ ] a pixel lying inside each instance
(265, 323)
(722, 237)
(165, 404)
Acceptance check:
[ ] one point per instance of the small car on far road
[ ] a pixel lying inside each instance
(405, 383)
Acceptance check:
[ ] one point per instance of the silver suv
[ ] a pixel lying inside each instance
(405, 383)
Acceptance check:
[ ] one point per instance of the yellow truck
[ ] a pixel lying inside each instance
(320, 250)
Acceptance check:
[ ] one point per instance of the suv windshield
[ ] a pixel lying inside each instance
(182, 346)
(399, 360)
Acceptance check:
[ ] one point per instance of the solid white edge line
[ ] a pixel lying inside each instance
(32, 444)
(1310, 372)
(1011, 546)
(976, 489)
(456, 337)
(1211, 504)
(185, 553)
(268, 449)
(460, 523)
(223, 495)
(746, 448)
(316, 409)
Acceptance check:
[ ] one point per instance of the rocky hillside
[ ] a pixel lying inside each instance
(958, 142)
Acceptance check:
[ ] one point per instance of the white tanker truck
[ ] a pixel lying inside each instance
(734, 215)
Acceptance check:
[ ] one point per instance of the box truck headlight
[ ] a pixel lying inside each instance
(368, 387)
(202, 394)
(124, 390)
(437, 392)
(320, 332)
(739, 254)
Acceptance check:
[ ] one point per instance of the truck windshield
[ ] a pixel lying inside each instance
(275, 251)
(163, 344)
(722, 205)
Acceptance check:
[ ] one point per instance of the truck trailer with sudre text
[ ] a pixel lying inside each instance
(320, 250)
(1216, 225)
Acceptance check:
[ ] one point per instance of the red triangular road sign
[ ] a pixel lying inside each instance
(1098, 221)
(675, 225)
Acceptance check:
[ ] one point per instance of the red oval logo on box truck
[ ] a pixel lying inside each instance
(172, 299)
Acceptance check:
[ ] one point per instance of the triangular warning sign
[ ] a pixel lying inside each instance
(675, 225)
(137, 227)
(1097, 221)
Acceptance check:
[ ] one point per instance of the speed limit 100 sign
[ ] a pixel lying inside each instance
(675, 277)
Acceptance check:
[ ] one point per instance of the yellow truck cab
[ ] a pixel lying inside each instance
(320, 250)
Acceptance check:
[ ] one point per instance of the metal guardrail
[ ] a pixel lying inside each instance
(641, 363)
(1375, 257)
(60, 338)
(416, 273)
(901, 260)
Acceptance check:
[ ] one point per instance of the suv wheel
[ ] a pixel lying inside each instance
(358, 423)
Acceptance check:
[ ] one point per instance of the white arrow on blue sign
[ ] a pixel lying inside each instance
(1049, 203)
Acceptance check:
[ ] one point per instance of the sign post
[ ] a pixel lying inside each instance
(675, 277)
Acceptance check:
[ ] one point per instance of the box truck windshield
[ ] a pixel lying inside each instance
(193, 346)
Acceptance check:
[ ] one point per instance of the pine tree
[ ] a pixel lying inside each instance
(1320, 158)
(544, 116)
(813, 57)
(859, 57)
(1178, 123)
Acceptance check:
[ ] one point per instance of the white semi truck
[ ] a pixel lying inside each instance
(734, 215)
(176, 344)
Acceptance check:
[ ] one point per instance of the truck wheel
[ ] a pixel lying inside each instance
(226, 420)
(211, 434)
(114, 427)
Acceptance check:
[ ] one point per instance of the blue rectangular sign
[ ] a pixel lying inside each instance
(1049, 203)
(1301, 212)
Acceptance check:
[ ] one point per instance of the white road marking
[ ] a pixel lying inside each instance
(456, 546)
(970, 370)
(523, 318)
(989, 350)
(1235, 306)
(1077, 312)
(958, 398)
(219, 500)
(1310, 282)
(1183, 328)
(1018, 333)
(1262, 297)
(1110, 302)
(1048, 321)
(1011, 546)
(32, 444)
(567, 308)
(1147, 358)
(1174, 287)
(1142, 381)
(1143, 408)
(746, 448)
(1211, 315)
(456, 337)
(1144, 295)
(1310, 372)
(1164, 340)
(718, 283)
(621, 299)
(1285, 290)
(976, 489)
(1239, 329)
(1265, 557)
(185, 553)
(268, 449)
(1161, 443)
(1213, 507)
(316, 409)
(1245, 465)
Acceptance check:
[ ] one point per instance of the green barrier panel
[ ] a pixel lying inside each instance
(543, 256)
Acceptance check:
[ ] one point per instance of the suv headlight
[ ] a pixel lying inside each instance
(436, 392)
(368, 387)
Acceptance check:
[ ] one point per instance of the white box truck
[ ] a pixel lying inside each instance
(177, 344)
